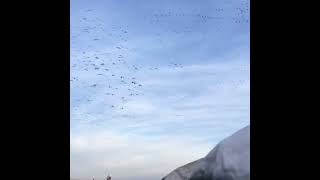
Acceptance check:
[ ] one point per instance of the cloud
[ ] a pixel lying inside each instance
(130, 156)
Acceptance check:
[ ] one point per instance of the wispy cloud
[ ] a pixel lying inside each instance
(130, 156)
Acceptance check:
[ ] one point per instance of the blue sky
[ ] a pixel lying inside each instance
(155, 84)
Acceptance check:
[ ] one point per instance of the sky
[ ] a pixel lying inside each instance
(155, 84)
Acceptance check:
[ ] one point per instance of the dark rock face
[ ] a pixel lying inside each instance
(229, 160)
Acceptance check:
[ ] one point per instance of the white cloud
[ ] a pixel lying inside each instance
(128, 156)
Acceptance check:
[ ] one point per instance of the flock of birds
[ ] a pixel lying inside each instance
(222, 18)
(111, 71)
(241, 15)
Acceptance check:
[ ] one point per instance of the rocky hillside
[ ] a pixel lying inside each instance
(229, 160)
